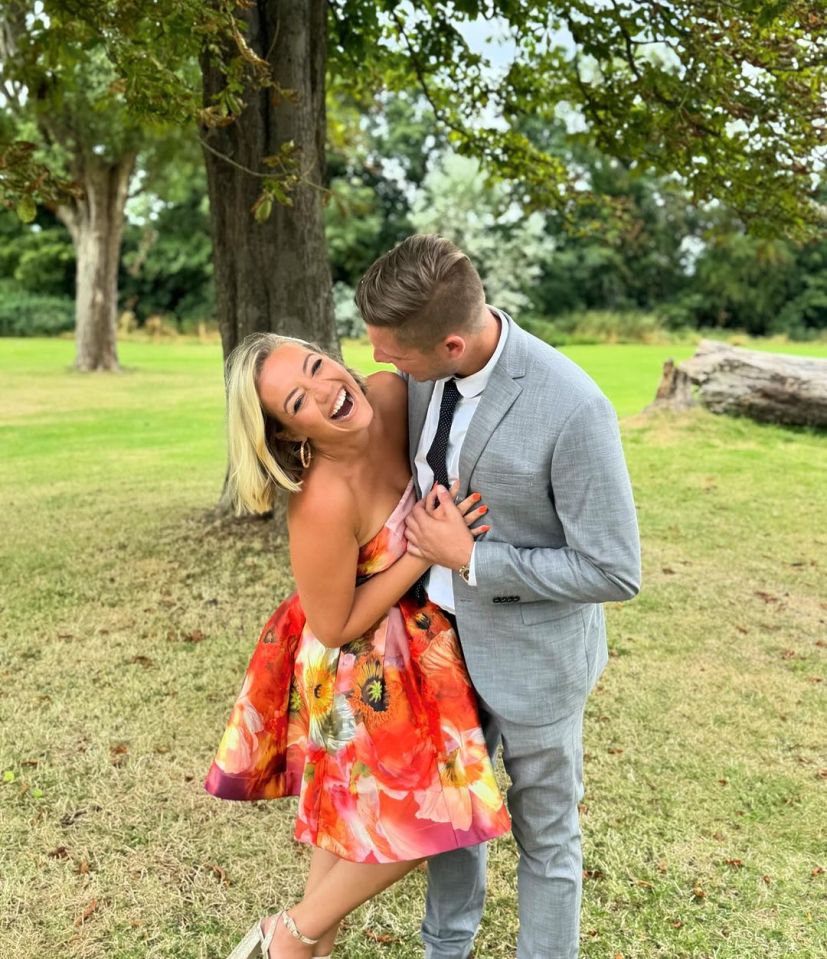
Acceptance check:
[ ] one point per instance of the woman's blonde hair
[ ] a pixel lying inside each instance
(260, 461)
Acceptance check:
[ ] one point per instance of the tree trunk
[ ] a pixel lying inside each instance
(768, 387)
(273, 276)
(96, 225)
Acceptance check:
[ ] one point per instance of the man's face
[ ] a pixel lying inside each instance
(433, 364)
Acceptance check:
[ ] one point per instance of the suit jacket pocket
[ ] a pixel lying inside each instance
(545, 611)
(488, 479)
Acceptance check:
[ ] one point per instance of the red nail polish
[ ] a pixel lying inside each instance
(483, 509)
(476, 497)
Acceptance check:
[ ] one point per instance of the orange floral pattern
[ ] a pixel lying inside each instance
(379, 739)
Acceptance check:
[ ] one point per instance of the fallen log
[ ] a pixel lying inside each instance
(770, 387)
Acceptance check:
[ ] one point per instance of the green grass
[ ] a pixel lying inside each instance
(127, 616)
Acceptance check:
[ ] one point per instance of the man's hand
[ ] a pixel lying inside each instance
(438, 530)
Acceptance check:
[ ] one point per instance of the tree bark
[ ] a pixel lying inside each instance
(273, 276)
(769, 387)
(96, 226)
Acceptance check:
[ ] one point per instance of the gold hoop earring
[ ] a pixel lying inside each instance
(305, 453)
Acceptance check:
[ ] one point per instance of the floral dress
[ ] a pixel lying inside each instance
(380, 738)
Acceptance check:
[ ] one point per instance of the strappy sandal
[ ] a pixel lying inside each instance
(256, 939)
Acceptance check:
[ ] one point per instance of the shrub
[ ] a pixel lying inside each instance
(33, 314)
(805, 316)
(597, 326)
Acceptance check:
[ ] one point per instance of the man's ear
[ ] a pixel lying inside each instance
(454, 345)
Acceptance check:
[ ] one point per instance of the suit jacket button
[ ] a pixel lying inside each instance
(498, 599)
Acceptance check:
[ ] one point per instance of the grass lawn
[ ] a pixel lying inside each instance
(127, 616)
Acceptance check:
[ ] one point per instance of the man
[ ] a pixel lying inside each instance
(511, 418)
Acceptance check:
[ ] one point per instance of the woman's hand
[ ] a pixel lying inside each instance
(438, 530)
(471, 508)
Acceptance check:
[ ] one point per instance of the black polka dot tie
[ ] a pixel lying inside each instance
(437, 454)
(436, 458)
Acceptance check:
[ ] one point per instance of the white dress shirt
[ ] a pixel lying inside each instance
(440, 586)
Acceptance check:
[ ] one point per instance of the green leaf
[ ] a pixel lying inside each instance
(263, 209)
(26, 209)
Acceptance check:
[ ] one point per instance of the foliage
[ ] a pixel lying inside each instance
(507, 247)
(728, 97)
(23, 313)
(636, 263)
(598, 326)
(167, 262)
(26, 180)
(693, 88)
(760, 286)
(39, 257)
(143, 55)
(377, 156)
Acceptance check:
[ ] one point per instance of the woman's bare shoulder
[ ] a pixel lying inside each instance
(388, 391)
(324, 494)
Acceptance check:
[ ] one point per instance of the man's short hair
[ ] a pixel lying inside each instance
(423, 289)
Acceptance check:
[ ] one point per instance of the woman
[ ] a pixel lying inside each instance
(356, 698)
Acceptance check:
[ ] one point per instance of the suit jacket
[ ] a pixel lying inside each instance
(544, 450)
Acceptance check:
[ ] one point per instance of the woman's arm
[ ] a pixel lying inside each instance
(324, 552)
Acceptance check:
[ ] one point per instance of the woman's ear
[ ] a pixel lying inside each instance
(275, 430)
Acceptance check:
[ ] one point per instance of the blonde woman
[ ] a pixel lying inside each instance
(356, 699)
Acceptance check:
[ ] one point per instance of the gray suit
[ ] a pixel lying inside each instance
(543, 449)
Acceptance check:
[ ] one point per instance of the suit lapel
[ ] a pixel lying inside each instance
(419, 396)
(495, 402)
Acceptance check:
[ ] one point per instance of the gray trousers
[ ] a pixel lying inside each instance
(545, 764)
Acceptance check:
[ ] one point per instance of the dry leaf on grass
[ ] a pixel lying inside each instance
(87, 912)
(218, 872)
(383, 937)
(141, 660)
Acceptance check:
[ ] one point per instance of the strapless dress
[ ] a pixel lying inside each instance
(380, 738)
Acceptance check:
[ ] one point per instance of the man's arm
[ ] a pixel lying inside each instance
(593, 498)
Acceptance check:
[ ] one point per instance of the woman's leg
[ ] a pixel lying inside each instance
(344, 886)
(321, 862)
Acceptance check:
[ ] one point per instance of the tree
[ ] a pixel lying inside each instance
(729, 97)
(272, 272)
(65, 97)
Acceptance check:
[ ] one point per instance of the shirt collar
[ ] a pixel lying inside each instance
(474, 384)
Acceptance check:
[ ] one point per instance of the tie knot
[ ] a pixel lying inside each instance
(451, 391)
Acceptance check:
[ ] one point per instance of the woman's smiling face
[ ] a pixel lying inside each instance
(311, 395)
